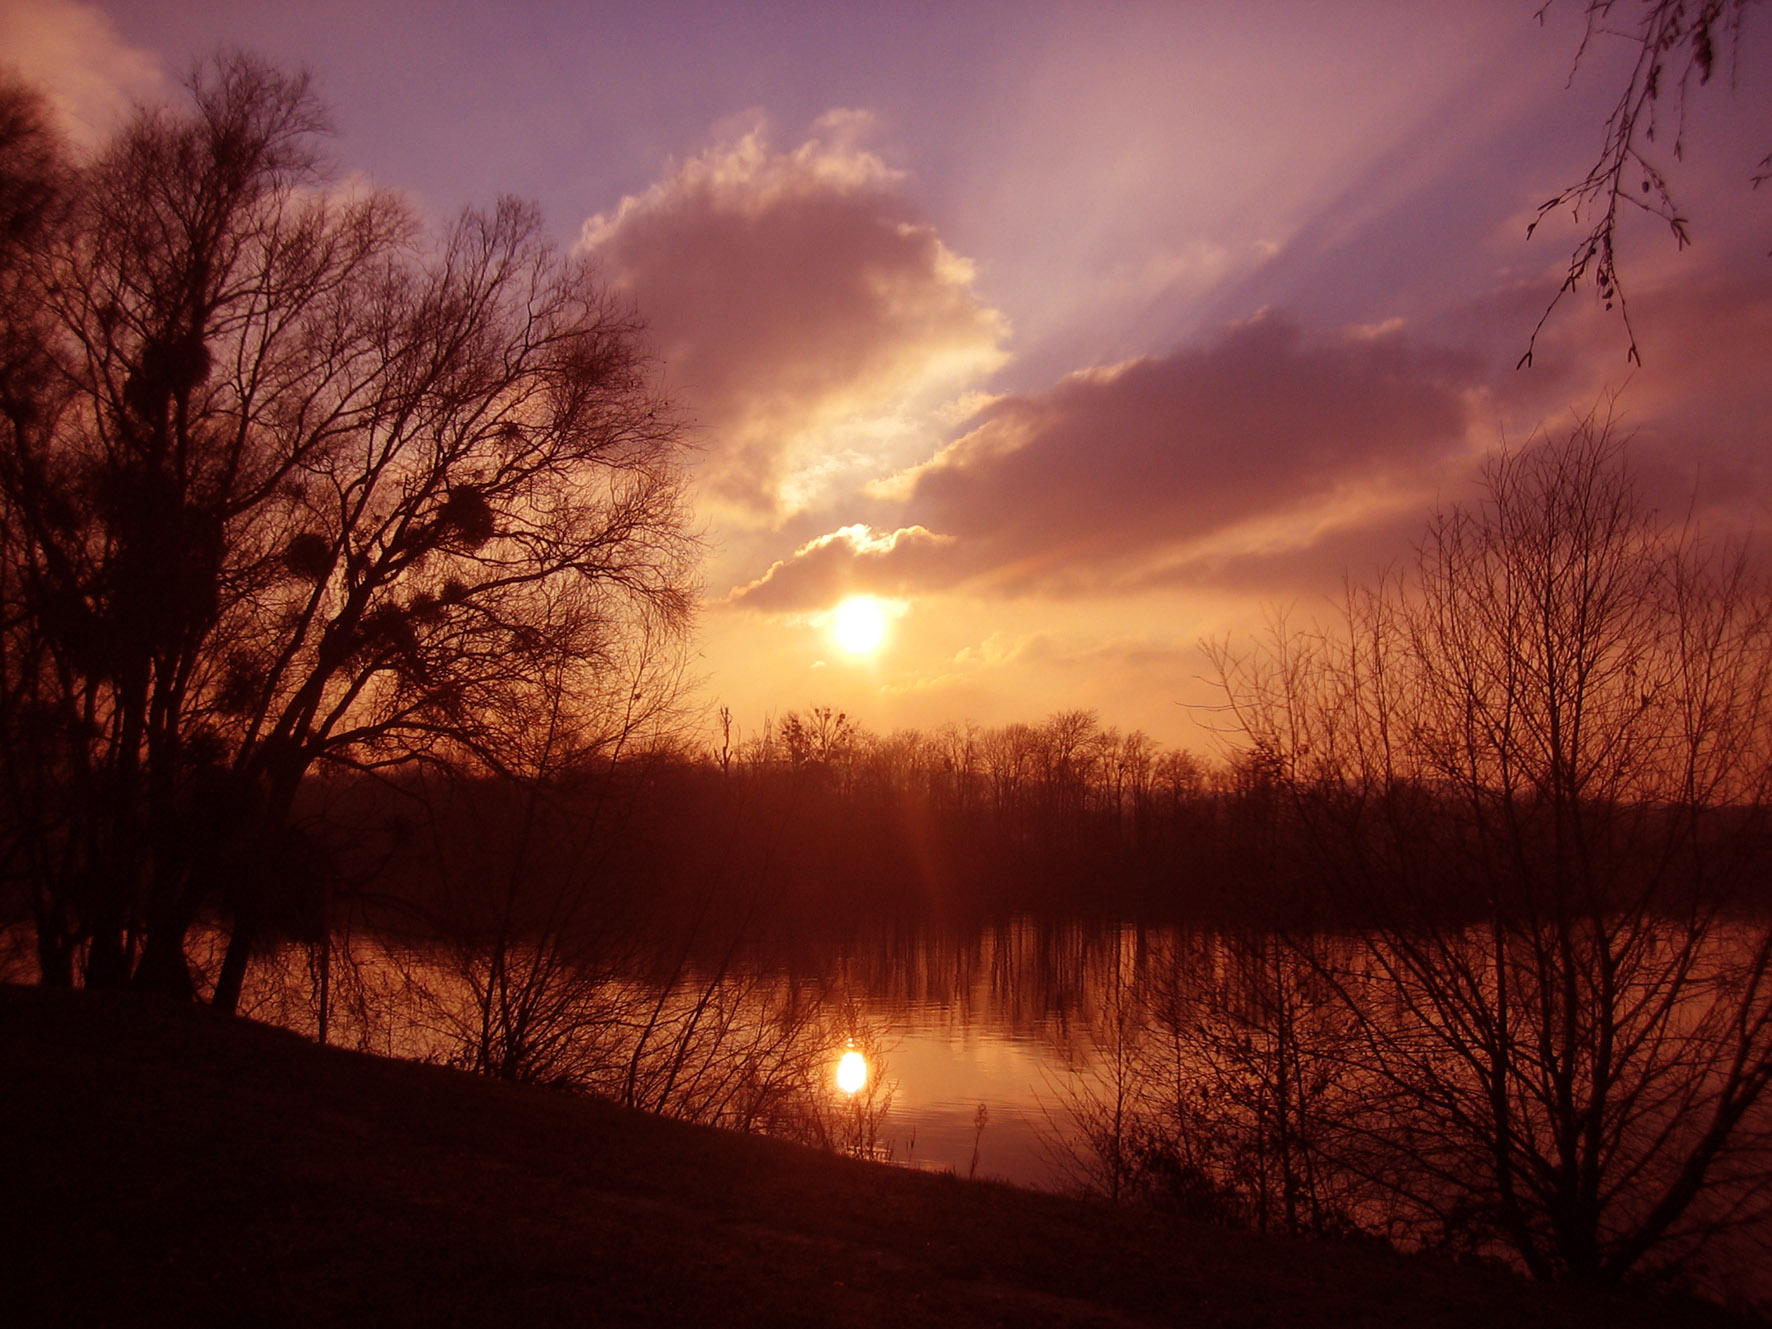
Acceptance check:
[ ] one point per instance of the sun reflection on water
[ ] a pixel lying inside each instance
(852, 1072)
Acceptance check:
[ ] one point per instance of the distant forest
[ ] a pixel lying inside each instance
(812, 824)
(814, 821)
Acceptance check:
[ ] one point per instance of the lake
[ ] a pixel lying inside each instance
(1305, 1083)
(1001, 1016)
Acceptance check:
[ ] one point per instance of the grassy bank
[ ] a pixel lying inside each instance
(166, 1166)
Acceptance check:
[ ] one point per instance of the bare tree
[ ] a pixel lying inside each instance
(33, 184)
(1103, 1132)
(323, 491)
(1679, 45)
(1254, 1083)
(1538, 769)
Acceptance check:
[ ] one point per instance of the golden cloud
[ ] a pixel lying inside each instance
(813, 324)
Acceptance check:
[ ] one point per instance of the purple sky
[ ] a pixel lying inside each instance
(1078, 333)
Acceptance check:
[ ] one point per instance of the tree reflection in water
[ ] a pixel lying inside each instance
(1219, 1073)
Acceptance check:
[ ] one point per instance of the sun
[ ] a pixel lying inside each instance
(859, 625)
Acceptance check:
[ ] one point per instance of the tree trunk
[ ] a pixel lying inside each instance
(240, 943)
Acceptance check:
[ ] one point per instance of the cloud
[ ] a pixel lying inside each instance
(1695, 411)
(1113, 465)
(73, 53)
(852, 559)
(1262, 441)
(805, 313)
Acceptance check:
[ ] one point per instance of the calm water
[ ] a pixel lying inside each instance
(1003, 1017)
(999, 1017)
(1010, 1024)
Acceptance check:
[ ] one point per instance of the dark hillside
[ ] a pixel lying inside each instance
(165, 1165)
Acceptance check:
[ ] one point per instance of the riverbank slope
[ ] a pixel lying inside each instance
(164, 1165)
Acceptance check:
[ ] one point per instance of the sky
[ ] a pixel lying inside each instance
(1077, 335)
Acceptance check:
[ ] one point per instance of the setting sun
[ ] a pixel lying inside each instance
(859, 625)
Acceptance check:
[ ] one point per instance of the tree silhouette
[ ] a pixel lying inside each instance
(1679, 45)
(315, 488)
(1540, 768)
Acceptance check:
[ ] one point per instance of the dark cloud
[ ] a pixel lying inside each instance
(1116, 476)
(1696, 413)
